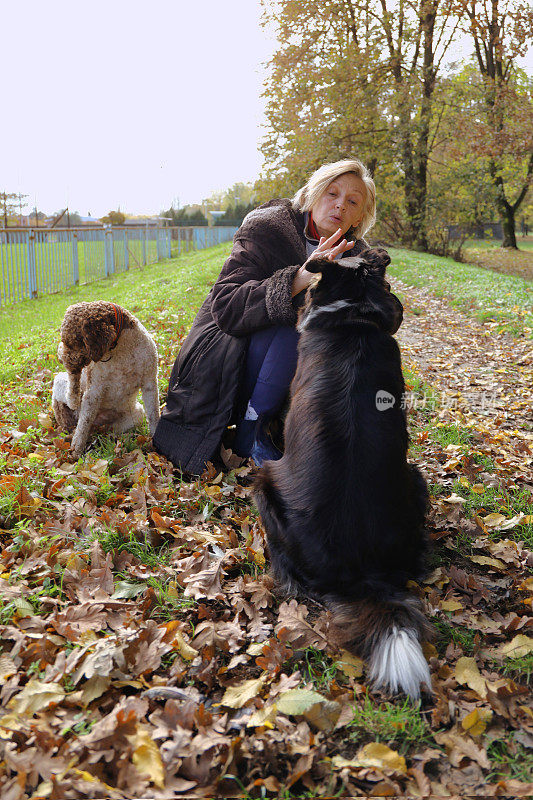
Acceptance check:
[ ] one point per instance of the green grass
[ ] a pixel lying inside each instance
(317, 667)
(495, 244)
(400, 725)
(458, 634)
(509, 759)
(478, 292)
(170, 291)
(54, 264)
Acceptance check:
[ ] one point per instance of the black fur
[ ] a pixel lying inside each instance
(343, 510)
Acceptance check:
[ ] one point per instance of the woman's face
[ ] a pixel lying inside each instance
(340, 206)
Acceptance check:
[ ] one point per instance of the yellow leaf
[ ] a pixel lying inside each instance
(429, 650)
(476, 722)
(263, 717)
(350, 665)
(93, 688)
(526, 586)
(213, 491)
(255, 649)
(186, 651)
(451, 605)
(520, 646)
(147, 758)
(454, 498)
(490, 562)
(35, 696)
(478, 488)
(7, 668)
(86, 776)
(493, 520)
(238, 696)
(45, 421)
(298, 701)
(99, 467)
(382, 757)
(467, 672)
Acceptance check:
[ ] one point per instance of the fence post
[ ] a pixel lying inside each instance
(144, 235)
(75, 260)
(158, 243)
(126, 251)
(108, 252)
(31, 271)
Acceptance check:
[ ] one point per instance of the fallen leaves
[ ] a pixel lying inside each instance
(145, 653)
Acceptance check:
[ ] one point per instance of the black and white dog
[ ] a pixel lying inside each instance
(343, 510)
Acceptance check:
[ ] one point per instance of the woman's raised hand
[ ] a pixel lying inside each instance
(326, 249)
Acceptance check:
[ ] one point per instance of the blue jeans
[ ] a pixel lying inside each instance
(270, 367)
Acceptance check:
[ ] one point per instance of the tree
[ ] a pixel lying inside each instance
(187, 215)
(356, 77)
(11, 203)
(114, 218)
(501, 31)
(462, 189)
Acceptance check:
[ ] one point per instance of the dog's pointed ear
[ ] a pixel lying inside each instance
(98, 335)
(377, 258)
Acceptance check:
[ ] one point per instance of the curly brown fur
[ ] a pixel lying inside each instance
(65, 416)
(88, 330)
(103, 391)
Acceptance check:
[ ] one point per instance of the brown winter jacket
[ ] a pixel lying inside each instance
(252, 292)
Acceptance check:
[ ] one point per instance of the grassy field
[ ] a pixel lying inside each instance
(29, 330)
(482, 293)
(121, 578)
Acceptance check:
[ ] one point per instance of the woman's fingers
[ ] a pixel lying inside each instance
(325, 244)
(342, 247)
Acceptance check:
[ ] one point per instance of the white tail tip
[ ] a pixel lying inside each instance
(397, 663)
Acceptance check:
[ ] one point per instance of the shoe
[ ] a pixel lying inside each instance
(244, 438)
(264, 448)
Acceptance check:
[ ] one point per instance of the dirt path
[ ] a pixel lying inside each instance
(480, 372)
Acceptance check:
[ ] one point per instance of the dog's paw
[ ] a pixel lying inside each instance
(77, 446)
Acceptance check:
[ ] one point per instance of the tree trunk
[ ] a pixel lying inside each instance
(508, 225)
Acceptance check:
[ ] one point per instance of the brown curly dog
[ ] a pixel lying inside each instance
(109, 356)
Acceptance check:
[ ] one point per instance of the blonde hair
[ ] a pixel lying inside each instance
(306, 197)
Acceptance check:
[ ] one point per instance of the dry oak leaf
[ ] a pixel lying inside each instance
(476, 722)
(458, 746)
(293, 627)
(237, 696)
(467, 672)
(35, 696)
(375, 756)
(350, 665)
(205, 583)
(147, 758)
(518, 647)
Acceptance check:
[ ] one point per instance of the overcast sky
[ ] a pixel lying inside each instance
(129, 103)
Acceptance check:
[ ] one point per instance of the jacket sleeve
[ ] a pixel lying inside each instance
(248, 296)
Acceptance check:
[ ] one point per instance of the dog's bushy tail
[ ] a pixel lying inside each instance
(388, 635)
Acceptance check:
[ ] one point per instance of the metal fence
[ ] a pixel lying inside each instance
(184, 239)
(36, 261)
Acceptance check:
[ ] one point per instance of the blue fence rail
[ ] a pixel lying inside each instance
(36, 261)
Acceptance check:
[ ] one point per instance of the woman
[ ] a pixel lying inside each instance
(239, 358)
